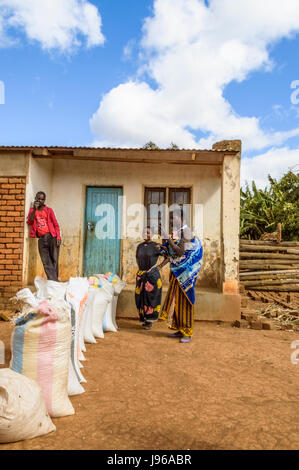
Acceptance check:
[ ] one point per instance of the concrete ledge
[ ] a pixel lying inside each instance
(211, 304)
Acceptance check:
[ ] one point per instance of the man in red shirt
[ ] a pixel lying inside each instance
(45, 226)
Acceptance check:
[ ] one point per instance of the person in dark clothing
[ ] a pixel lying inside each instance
(148, 292)
(44, 225)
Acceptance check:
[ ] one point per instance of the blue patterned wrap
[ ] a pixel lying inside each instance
(186, 268)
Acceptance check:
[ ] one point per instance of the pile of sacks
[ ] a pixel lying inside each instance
(48, 346)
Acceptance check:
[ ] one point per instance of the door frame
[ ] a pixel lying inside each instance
(83, 224)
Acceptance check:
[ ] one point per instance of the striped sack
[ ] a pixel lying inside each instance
(40, 346)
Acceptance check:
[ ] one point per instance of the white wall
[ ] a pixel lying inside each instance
(70, 179)
(40, 178)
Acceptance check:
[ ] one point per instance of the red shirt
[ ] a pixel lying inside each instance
(50, 221)
(41, 223)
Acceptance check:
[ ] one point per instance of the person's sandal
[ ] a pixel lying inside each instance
(178, 334)
(185, 339)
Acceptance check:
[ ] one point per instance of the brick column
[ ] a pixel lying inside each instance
(12, 202)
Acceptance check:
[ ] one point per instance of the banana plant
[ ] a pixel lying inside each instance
(262, 209)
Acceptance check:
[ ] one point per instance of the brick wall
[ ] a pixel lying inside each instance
(12, 204)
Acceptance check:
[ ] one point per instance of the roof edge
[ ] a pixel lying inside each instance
(119, 149)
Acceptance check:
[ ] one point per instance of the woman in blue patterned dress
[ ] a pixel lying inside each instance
(185, 256)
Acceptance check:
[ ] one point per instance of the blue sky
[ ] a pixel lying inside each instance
(49, 95)
(115, 73)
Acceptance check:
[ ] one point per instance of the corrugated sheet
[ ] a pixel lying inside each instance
(27, 147)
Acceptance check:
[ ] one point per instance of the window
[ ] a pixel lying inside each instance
(154, 197)
(157, 200)
(181, 197)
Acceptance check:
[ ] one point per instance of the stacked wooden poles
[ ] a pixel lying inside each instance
(269, 266)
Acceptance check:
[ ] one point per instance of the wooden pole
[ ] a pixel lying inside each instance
(261, 248)
(270, 282)
(279, 232)
(264, 242)
(250, 265)
(268, 273)
(245, 254)
(288, 288)
(245, 279)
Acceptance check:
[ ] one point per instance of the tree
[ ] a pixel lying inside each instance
(151, 146)
(173, 146)
(261, 210)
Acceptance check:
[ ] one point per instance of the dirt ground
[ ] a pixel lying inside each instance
(229, 388)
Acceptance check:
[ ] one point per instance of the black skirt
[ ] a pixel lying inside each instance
(148, 294)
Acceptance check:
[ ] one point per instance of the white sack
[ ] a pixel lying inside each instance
(101, 299)
(88, 333)
(26, 297)
(46, 289)
(23, 413)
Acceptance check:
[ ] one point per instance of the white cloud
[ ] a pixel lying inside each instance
(192, 52)
(55, 24)
(127, 111)
(128, 49)
(276, 162)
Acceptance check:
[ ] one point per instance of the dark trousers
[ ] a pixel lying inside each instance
(49, 253)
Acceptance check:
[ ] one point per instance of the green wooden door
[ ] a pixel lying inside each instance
(102, 229)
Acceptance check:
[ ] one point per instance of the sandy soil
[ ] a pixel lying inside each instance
(228, 389)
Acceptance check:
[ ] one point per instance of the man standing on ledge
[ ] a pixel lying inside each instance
(45, 226)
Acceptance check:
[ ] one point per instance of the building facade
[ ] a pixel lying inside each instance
(96, 191)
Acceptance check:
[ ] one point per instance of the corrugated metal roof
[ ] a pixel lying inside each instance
(24, 147)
